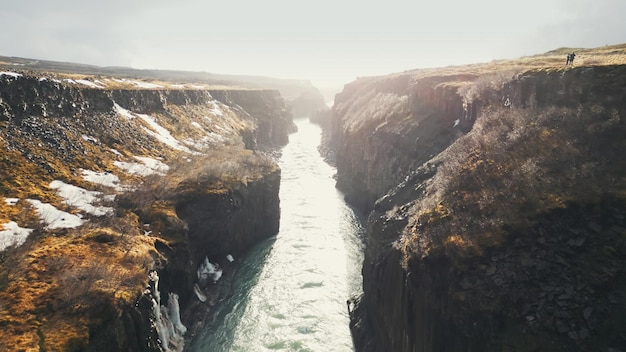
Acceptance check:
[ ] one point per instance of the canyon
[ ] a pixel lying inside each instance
(127, 204)
(494, 194)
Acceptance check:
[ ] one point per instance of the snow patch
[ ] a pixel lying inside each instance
(103, 178)
(89, 139)
(146, 85)
(230, 258)
(147, 167)
(456, 122)
(55, 218)
(10, 74)
(163, 135)
(13, 235)
(216, 110)
(121, 111)
(11, 201)
(80, 198)
(88, 83)
(115, 151)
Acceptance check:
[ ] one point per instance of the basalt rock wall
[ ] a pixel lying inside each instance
(275, 121)
(445, 270)
(62, 127)
(382, 128)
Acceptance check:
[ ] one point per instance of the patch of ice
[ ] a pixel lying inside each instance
(11, 201)
(13, 235)
(147, 167)
(201, 296)
(208, 270)
(102, 178)
(163, 135)
(55, 218)
(81, 198)
(10, 74)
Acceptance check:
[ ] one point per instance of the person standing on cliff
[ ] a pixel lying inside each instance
(570, 58)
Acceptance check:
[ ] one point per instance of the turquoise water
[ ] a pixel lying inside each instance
(290, 292)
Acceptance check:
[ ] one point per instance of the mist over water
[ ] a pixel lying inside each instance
(290, 292)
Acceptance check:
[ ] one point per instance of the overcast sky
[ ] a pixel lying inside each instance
(328, 42)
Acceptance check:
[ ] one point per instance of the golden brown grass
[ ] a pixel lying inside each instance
(61, 282)
(53, 289)
(553, 60)
(513, 166)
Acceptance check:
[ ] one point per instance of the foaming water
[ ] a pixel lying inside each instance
(290, 292)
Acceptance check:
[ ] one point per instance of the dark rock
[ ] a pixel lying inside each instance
(561, 327)
(432, 295)
(594, 227)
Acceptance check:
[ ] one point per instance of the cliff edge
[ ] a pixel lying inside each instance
(126, 205)
(496, 200)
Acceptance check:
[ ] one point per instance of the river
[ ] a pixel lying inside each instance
(290, 292)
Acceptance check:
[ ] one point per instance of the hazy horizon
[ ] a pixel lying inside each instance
(328, 43)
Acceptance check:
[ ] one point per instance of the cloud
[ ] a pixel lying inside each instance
(585, 23)
(313, 39)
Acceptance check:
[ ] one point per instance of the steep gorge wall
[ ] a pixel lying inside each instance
(382, 128)
(446, 270)
(60, 129)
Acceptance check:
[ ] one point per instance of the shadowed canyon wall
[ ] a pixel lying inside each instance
(496, 202)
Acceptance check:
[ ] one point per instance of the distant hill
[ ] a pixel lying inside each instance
(301, 95)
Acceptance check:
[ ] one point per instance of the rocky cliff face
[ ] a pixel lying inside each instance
(111, 185)
(497, 207)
